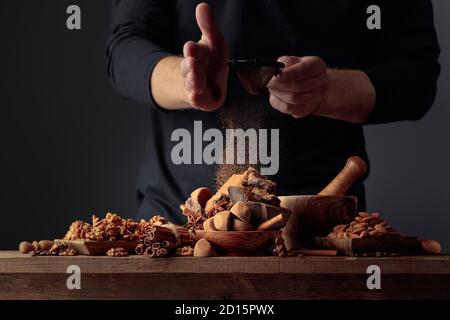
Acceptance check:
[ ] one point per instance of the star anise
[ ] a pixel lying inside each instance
(194, 223)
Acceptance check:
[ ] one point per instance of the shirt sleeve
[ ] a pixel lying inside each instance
(138, 39)
(404, 68)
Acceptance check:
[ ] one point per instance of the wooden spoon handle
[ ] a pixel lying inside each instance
(272, 224)
(353, 170)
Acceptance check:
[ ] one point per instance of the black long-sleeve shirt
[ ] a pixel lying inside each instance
(400, 59)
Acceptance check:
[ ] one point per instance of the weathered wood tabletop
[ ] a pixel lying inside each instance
(138, 277)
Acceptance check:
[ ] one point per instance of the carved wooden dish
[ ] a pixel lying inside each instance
(96, 248)
(240, 243)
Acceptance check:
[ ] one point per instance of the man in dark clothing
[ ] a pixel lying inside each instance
(338, 76)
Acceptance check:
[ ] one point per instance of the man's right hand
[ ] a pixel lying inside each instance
(198, 79)
(204, 66)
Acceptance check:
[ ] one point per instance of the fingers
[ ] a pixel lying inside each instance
(205, 63)
(195, 50)
(196, 82)
(317, 84)
(289, 60)
(199, 100)
(191, 64)
(300, 110)
(208, 25)
(281, 106)
(195, 58)
(194, 67)
(203, 101)
(293, 98)
(298, 69)
(301, 86)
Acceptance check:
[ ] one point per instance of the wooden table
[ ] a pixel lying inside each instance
(137, 277)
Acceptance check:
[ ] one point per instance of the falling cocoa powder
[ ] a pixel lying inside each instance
(244, 113)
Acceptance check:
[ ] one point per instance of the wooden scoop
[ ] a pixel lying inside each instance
(352, 171)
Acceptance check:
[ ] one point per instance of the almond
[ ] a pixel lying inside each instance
(358, 231)
(339, 227)
(361, 225)
(364, 214)
(363, 234)
(380, 228)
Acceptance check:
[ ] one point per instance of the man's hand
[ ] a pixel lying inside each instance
(198, 79)
(307, 87)
(204, 66)
(300, 88)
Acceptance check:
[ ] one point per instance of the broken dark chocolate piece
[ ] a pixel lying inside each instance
(254, 179)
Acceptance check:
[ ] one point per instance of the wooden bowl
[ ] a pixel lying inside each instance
(239, 243)
(314, 215)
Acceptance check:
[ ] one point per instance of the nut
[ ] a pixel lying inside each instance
(45, 245)
(68, 252)
(112, 227)
(364, 214)
(185, 251)
(54, 248)
(339, 227)
(25, 247)
(117, 252)
(380, 228)
(362, 225)
(431, 246)
(35, 245)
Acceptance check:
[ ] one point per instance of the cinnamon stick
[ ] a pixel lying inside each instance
(307, 252)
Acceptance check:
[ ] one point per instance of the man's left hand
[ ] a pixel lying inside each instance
(301, 86)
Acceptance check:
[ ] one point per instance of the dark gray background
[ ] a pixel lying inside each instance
(71, 147)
